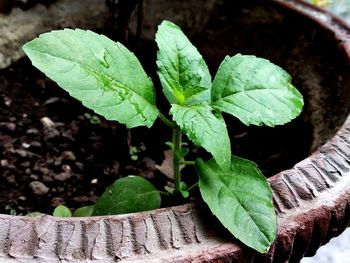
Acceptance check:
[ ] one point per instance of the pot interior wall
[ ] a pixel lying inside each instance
(218, 28)
(301, 46)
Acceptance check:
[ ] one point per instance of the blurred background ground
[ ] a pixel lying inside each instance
(338, 249)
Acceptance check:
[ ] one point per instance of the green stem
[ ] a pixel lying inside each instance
(164, 193)
(187, 162)
(167, 121)
(192, 186)
(176, 161)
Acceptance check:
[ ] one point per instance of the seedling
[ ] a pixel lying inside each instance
(92, 118)
(107, 78)
(62, 211)
(135, 151)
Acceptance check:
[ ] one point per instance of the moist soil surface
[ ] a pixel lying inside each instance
(55, 151)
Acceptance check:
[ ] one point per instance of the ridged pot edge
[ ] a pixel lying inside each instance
(312, 203)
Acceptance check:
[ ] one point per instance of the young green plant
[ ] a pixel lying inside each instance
(107, 78)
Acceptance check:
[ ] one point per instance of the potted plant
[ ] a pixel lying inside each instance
(311, 182)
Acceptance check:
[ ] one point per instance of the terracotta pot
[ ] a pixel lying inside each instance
(312, 199)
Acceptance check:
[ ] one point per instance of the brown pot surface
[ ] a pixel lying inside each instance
(312, 199)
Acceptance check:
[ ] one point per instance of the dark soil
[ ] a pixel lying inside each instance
(7, 5)
(53, 153)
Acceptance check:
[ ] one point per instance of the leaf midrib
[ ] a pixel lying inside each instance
(119, 84)
(251, 218)
(137, 195)
(233, 94)
(238, 201)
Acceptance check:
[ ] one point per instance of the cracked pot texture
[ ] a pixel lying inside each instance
(311, 199)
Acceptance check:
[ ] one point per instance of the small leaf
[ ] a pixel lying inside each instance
(35, 214)
(183, 73)
(62, 211)
(84, 211)
(240, 197)
(127, 195)
(170, 144)
(184, 190)
(255, 91)
(205, 129)
(169, 189)
(104, 75)
(181, 154)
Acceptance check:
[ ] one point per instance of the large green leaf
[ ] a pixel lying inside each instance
(255, 91)
(104, 75)
(183, 73)
(205, 129)
(127, 195)
(241, 199)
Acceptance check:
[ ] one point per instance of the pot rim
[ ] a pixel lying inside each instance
(297, 194)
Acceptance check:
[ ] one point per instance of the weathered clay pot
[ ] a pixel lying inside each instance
(312, 199)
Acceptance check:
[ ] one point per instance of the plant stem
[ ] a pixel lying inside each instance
(166, 121)
(164, 193)
(192, 186)
(187, 162)
(176, 161)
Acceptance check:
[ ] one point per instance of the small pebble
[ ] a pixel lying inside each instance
(7, 101)
(38, 188)
(11, 179)
(56, 201)
(65, 175)
(68, 155)
(35, 144)
(47, 178)
(25, 145)
(60, 189)
(32, 131)
(94, 181)
(115, 169)
(4, 163)
(26, 164)
(81, 199)
(22, 198)
(58, 161)
(62, 176)
(34, 177)
(66, 168)
(80, 166)
(8, 125)
(47, 122)
(22, 153)
(20, 208)
(51, 133)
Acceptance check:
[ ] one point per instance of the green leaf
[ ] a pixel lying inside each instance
(35, 214)
(255, 91)
(181, 154)
(104, 75)
(183, 73)
(84, 211)
(241, 199)
(128, 195)
(62, 211)
(205, 129)
(184, 190)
